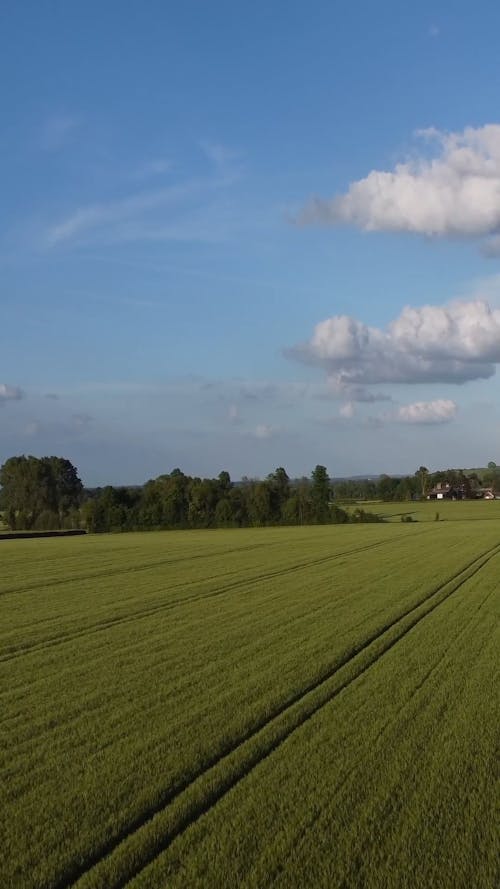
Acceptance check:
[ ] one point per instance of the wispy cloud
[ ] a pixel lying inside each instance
(181, 211)
(81, 421)
(58, 130)
(97, 216)
(10, 393)
(265, 430)
(453, 190)
(234, 415)
(158, 166)
(351, 393)
(227, 163)
(347, 410)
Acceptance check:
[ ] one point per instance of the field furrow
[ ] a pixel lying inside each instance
(136, 705)
(207, 788)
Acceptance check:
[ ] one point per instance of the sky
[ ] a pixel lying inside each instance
(240, 236)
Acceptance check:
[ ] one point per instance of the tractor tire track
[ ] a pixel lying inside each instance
(146, 613)
(114, 572)
(279, 725)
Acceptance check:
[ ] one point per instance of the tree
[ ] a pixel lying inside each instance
(224, 481)
(66, 485)
(35, 489)
(279, 489)
(422, 473)
(320, 494)
(203, 495)
(406, 488)
(259, 504)
(387, 487)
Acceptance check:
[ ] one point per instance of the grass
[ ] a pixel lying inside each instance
(448, 510)
(304, 706)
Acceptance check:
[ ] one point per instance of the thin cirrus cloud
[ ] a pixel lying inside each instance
(453, 191)
(10, 393)
(157, 166)
(57, 131)
(150, 214)
(453, 343)
(96, 217)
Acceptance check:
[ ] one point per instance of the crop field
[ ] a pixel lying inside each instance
(288, 707)
(446, 510)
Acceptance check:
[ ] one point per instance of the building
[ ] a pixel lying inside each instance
(445, 491)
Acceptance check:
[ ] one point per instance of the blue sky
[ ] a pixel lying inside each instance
(220, 227)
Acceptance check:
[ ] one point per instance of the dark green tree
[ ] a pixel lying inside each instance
(320, 494)
(259, 503)
(279, 491)
(38, 490)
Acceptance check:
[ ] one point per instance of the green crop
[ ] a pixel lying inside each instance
(296, 706)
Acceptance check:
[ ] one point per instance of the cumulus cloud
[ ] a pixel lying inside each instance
(442, 410)
(431, 344)
(10, 393)
(453, 190)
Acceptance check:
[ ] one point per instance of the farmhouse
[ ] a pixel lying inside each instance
(486, 494)
(445, 491)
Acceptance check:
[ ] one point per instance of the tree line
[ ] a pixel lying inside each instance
(47, 494)
(417, 486)
(177, 500)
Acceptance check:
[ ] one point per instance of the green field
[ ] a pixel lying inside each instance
(286, 706)
(448, 510)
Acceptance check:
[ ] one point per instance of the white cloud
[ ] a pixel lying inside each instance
(10, 393)
(347, 410)
(263, 430)
(453, 192)
(431, 344)
(443, 410)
